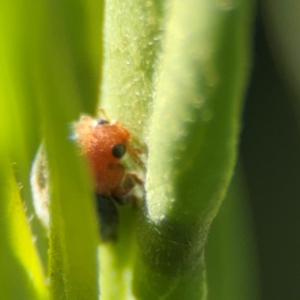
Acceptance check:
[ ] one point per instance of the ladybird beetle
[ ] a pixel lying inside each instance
(104, 143)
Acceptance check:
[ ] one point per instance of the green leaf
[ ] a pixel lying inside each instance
(20, 273)
(198, 78)
(194, 134)
(73, 226)
(133, 35)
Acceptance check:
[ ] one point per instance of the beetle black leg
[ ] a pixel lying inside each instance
(108, 217)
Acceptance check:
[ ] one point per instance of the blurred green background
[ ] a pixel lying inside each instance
(267, 181)
(270, 148)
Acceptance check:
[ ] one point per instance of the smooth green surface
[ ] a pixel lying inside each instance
(19, 262)
(232, 266)
(73, 234)
(282, 23)
(50, 58)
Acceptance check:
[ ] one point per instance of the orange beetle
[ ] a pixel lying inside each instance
(104, 143)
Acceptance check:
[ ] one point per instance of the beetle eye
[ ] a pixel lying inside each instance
(119, 150)
(102, 122)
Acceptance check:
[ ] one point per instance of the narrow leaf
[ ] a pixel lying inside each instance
(193, 139)
(20, 273)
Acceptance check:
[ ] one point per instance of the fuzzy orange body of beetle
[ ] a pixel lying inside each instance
(104, 143)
